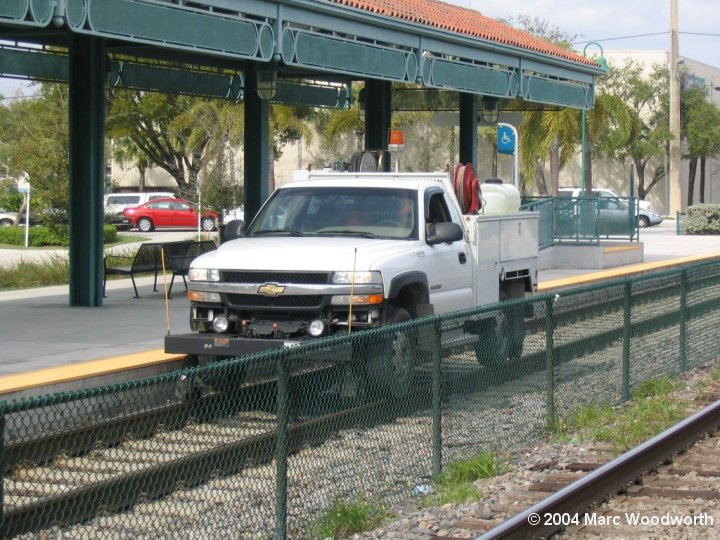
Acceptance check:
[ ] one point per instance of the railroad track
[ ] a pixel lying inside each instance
(670, 481)
(191, 443)
(667, 487)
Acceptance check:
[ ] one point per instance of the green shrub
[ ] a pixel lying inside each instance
(42, 235)
(702, 219)
(109, 234)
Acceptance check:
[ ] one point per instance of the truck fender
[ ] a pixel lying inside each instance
(417, 285)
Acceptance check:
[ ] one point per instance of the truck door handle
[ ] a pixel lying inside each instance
(462, 258)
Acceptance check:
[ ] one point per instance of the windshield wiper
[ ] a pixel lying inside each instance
(277, 232)
(346, 232)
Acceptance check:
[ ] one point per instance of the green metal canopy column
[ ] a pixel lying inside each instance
(468, 129)
(377, 116)
(87, 168)
(257, 122)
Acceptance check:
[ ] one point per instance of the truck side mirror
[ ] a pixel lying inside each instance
(441, 233)
(234, 229)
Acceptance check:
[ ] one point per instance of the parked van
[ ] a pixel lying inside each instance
(115, 203)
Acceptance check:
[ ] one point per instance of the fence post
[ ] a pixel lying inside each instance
(281, 449)
(437, 397)
(627, 338)
(683, 320)
(550, 361)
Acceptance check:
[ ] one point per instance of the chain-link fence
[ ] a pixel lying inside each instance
(261, 446)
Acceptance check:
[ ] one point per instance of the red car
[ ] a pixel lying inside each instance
(167, 213)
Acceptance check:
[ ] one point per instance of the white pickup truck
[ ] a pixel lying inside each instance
(332, 253)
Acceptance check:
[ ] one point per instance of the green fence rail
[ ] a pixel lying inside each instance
(261, 446)
(585, 220)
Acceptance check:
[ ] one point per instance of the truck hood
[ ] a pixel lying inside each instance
(307, 254)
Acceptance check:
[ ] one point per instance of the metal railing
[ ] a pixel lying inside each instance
(263, 445)
(586, 220)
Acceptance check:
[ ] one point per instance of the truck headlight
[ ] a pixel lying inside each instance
(203, 274)
(359, 278)
(316, 328)
(220, 324)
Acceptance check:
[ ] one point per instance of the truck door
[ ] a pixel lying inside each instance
(449, 267)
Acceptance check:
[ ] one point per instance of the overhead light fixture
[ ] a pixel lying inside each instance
(266, 83)
(490, 110)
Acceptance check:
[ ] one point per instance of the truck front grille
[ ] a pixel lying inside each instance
(254, 301)
(262, 276)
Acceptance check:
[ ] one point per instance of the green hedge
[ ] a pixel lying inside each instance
(702, 219)
(41, 235)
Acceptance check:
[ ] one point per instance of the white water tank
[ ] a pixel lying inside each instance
(499, 197)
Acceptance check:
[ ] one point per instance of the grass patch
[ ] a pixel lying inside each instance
(343, 519)
(456, 484)
(653, 409)
(54, 270)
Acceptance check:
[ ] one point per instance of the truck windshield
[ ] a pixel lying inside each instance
(339, 211)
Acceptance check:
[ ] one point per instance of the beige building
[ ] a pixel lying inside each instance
(617, 176)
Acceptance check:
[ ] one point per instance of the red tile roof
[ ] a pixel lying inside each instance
(463, 21)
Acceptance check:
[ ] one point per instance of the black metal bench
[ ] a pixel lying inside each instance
(155, 257)
(179, 255)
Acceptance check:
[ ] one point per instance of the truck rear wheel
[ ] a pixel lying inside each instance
(390, 370)
(504, 336)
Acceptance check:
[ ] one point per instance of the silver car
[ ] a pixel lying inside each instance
(647, 215)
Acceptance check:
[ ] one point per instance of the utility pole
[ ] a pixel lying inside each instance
(675, 198)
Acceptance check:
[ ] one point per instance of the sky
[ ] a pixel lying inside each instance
(606, 21)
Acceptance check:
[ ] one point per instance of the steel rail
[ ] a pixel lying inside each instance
(158, 480)
(610, 478)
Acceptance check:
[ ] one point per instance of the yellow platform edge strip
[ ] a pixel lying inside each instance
(620, 271)
(617, 249)
(83, 370)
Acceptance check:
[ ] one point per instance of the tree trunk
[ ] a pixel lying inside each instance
(493, 166)
(640, 171)
(555, 166)
(271, 168)
(588, 165)
(702, 179)
(540, 179)
(23, 207)
(692, 169)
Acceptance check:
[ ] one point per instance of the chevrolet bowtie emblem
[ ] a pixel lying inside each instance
(271, 289)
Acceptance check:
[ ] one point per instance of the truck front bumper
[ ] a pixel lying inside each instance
(218, 345)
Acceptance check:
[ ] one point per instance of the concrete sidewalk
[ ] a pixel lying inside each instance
(39, 329)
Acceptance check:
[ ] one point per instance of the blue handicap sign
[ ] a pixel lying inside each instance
(505, 140)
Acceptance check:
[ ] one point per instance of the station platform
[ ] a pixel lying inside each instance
(44, 340)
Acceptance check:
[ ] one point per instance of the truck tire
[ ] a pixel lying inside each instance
(348, 386)
(390, 370)
(225, 381)
(504, 336)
